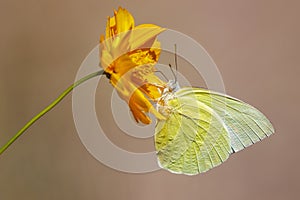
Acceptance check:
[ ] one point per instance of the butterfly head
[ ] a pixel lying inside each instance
(167, 95)
(173, 86)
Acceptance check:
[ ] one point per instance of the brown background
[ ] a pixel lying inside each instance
(42, 43)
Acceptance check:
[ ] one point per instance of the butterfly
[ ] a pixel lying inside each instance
(203, 128)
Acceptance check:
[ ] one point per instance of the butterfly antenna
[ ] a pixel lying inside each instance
(176, 66)
(175, 77)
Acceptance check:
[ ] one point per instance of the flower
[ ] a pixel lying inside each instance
(128, 56)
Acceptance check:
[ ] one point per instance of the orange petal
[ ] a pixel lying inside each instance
(144, 35)
(138, 114)
(124, 20)
(120, 22)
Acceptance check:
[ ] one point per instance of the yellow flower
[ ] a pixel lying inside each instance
(128, 56)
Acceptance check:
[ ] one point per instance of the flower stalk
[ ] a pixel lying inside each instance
(48, 108)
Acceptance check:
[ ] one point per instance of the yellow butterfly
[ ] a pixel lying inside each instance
(202, 128)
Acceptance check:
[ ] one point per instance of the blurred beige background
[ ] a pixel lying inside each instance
(42, 43)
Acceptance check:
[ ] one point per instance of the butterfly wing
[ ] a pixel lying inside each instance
(193, 139)
(202, 129)
(246, 125)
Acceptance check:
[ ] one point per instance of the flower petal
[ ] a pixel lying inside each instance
(144, 35)
(120, 22)
(124, 20)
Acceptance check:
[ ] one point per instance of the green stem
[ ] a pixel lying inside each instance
(48, 108)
